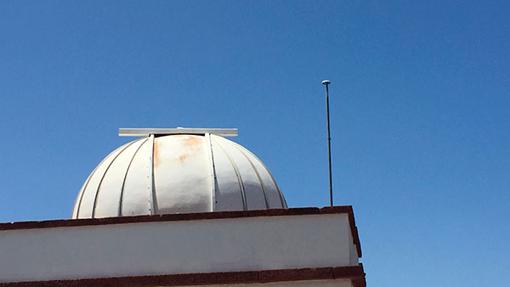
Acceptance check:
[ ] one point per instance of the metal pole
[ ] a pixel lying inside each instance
(326, 84)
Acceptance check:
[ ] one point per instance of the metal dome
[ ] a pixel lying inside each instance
(178, 173)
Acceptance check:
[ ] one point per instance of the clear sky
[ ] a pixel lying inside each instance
(420, 111)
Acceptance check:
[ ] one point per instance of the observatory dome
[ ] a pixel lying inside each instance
(177, 173)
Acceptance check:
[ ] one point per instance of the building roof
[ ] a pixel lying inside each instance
(177, 173)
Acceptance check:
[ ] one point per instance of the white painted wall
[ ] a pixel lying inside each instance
(173, 247)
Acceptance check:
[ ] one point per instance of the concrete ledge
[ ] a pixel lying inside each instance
(355, 274)
(199, 243)
(190, 216)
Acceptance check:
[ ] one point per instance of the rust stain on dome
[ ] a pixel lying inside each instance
(193, 141)
(155, 153)
(183, 157)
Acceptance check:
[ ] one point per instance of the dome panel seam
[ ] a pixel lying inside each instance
(215, 186)
(238, 175)
(257, 174)
(154, 200)
(126, 174)
(280, 194)
(104, 175)
(84, 188)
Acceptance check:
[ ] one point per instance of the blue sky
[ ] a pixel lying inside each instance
(420, 111)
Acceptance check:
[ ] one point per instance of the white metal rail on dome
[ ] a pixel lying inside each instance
(141, 132)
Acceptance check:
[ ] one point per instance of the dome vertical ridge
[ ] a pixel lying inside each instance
(238, 176)
(126, 174)
(77, 208)
(154, 198)
(214, 180)
(240, 149)
(123, 148)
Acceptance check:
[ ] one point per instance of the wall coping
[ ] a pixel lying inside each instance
(354, 273)
(190, 216)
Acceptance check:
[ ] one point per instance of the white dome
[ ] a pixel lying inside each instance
(177, 174)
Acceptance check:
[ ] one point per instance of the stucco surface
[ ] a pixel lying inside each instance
(152, 248)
